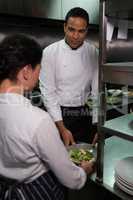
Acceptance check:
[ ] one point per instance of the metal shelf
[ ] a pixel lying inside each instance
(121, 126)
(115, 149)
(120, 65)
(118, 73)
(115, 73)
(119, 9)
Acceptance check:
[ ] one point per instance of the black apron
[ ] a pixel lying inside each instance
(79, 121)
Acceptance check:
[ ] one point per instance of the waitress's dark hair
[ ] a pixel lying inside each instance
(17, 51)
(77, 12)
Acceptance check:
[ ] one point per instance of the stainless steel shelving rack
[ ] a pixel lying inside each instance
(114, 73)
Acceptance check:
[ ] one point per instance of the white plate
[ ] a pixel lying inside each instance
(115, 92)
(123, 180)
(124, 183)
(124, 188)
(124, 169)
(112, 100)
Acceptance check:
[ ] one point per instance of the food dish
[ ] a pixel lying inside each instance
(113, 100)
(80, 152)
(115, 92)
(89, 103)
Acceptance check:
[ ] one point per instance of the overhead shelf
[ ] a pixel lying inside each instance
(121, 65)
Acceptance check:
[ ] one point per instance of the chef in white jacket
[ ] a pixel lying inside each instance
(69, 74)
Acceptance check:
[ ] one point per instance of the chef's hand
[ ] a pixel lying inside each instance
(67, 137)
(65, 134)
(88, 166)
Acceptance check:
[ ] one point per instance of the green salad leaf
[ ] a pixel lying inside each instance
(78, 155)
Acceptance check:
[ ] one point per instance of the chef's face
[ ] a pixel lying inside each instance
(75, 31)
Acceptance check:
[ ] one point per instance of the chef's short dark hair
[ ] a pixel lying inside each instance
(77, 12)
(17, 51)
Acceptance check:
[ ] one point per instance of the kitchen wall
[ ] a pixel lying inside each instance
(60, 8)
(53, 9)
(92, 6)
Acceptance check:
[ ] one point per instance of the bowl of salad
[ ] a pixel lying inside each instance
(81, 152)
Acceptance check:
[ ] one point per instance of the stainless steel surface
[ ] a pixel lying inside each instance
(124, 8)
(52, 9)
(102, 108)
(36, 8)
(115, 149)
(15, 6)
(121, 126)
(118, 73)
(81, 145)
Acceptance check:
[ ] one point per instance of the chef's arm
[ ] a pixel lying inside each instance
(48, 89)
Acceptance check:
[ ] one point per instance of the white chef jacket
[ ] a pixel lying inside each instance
(68, 76)
(30, 144)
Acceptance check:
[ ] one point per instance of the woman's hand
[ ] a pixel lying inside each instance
(88, 166)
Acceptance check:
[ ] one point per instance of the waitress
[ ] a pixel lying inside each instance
(31, 151)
